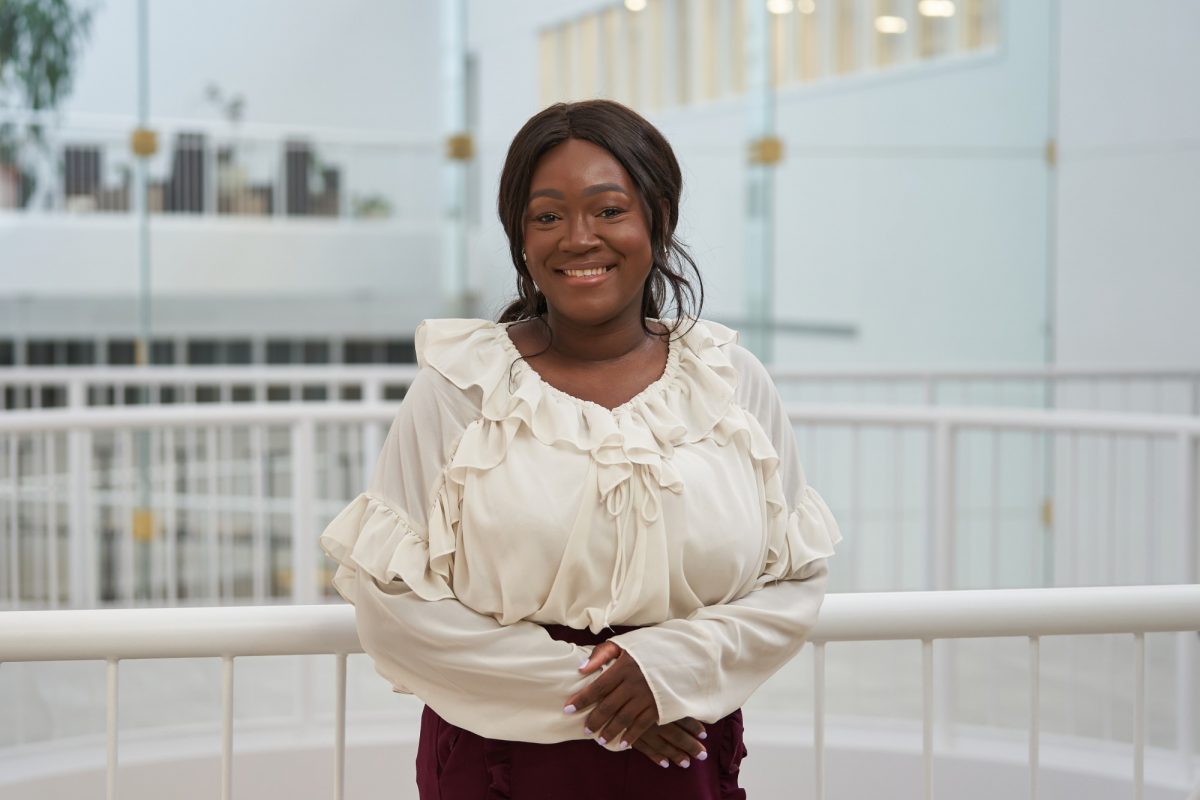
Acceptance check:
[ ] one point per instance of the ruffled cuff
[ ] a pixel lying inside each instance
(810, 534)
(381, 541)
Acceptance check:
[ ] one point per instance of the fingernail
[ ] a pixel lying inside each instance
(587, 731)
(600, 740)
(685, 763)
(624, 745)
(583, 663)
(568, 709)
(703, 735)
(703, 755)
(664, 763)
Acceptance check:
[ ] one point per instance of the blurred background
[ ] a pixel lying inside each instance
(960, 233)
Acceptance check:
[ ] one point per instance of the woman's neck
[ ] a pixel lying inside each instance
(610, 341)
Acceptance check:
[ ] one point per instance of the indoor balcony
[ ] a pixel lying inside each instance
(1056, 693)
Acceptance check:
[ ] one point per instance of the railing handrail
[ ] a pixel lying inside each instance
(266, 413)
(119, 125)
(154, 416)
(1004, 417)
(159, 373)
(324, 629)
(225, 373)
(916, 373)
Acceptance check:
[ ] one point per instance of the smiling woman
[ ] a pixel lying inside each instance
(589, 524)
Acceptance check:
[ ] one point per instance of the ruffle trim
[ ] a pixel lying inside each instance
(371, 536)
(811, 533)
(691, 397)
(797, 535)
(692, 401)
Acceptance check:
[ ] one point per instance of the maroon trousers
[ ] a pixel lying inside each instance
(455, 764)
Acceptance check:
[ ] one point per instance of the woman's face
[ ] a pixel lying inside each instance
(587, 238)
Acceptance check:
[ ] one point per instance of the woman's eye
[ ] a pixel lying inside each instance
(609, 213)
(545, 219)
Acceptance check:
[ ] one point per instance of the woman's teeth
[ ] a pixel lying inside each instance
(583, 273)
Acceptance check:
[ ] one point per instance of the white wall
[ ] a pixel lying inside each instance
(1128, 258)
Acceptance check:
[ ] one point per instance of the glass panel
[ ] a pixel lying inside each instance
(780, 50)
(846, 59)
(708, 86)
(548, 67)
(635, 27)
(808, 39)
(586, 54)
(891, 32)
(737, 50)
(935, 28)
(656, 61)
(684, 11)
(610, 51)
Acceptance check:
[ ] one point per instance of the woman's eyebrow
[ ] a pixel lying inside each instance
(600, 188)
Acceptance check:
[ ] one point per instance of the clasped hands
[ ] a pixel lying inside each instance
(622, 705)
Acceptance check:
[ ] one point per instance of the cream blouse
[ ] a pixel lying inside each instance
(500, 502)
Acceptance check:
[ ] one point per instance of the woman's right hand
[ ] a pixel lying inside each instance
(676, 742)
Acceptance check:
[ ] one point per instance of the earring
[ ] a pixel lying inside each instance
(523, 258)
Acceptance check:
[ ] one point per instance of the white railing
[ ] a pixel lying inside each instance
(1166, 390)
(1159, 391)
(83, 387)
(213, 504)
(217, 169)
(924, 617)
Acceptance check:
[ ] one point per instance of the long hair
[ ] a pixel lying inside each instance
(647, 156)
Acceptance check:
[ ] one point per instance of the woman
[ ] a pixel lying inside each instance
(588, 538)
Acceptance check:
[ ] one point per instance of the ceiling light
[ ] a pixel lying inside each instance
(635, 5)
(891, 24)
(780, 6)
(936, 8)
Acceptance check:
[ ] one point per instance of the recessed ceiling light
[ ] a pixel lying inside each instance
(891, 24)
(936, 8)
(780, 6)
(635, 5)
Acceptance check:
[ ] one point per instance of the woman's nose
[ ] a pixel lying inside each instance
(579, 235)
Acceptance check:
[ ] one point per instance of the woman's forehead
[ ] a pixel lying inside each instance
(579, 165)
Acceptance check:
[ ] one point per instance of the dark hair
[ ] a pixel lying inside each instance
(650, 162)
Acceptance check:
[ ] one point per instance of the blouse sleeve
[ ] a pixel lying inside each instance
(507, 681)
(706, 665)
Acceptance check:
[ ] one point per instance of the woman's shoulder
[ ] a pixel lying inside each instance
(706, 335)
(750, 377)
(437, 340)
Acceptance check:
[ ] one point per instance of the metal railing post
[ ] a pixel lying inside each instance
(81, 545)
(1186, 644)
(942, 488)
(303, 535)
(372, 432)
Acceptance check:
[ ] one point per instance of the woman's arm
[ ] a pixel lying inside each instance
(498, 681)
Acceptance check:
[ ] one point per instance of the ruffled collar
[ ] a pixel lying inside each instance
(658, 385)
(685, 403)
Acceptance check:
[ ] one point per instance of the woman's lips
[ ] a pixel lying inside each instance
(586, 276)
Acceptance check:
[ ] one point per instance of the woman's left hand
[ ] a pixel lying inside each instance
(621, 696)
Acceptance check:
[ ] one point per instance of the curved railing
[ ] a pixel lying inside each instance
(926, 617)
(1162, 390)
(211, 504)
